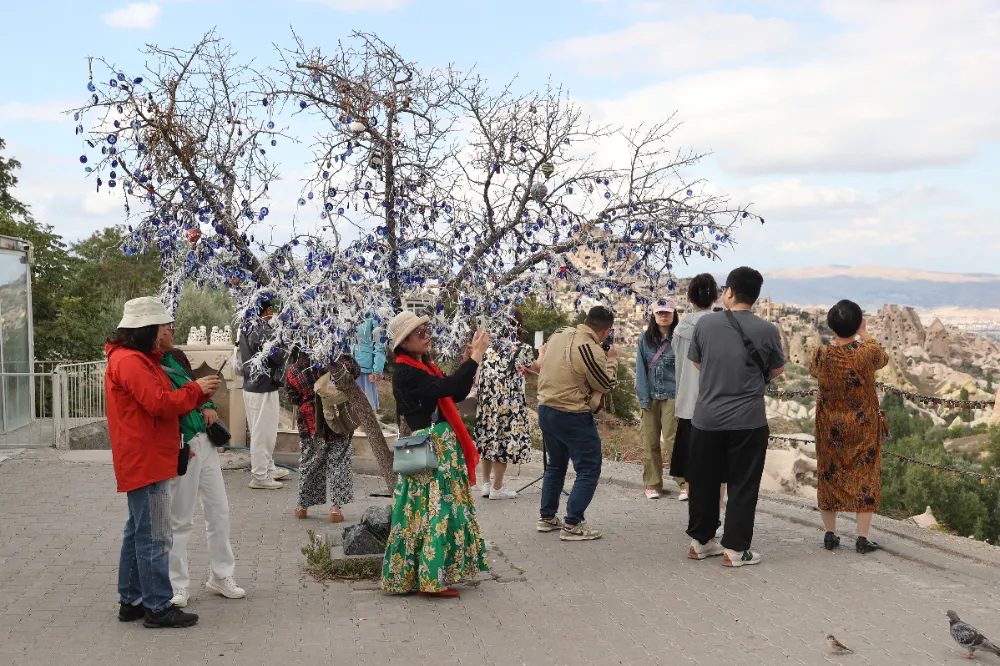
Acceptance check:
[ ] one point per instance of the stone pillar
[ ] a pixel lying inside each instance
(206, 357)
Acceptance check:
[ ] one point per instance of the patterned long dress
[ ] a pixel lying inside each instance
(848, 431)
(325, 471)
(501, 433)
(435, 539)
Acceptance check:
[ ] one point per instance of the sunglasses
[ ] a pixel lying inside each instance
(422, 332)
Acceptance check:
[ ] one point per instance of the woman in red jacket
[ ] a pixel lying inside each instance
(143, 411)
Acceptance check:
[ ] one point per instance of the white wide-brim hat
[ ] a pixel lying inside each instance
(403, 324)
(144, 311)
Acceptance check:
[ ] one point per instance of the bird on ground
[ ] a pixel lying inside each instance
(836, 646)
(969, 637)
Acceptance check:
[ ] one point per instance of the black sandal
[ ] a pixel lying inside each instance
(863, 546)
(831, 541)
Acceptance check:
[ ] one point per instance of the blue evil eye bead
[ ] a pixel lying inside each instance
(113, 83)
(607, 195)
(89, 169)
(745, 214)
(112, 139)
(264, 211)
(303, 104)
(340, 211)
(121, 77)
(111, 183)
(83, 159)
(309, 196)
(76, 116)
(302, 202)
(274, 142)
(270, 125)
(137, 80)
(690, 192)
(90, 87)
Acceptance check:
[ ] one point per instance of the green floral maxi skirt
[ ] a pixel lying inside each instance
(435, 539)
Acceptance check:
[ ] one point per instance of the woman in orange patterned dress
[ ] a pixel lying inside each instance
(848, 424)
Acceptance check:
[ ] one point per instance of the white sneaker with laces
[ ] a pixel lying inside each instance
(227, 587)
(700, 551)
(487, 487)
(180, 598)
(278, 473)
(502, 493)
(267, 483)
(652, 494)
(682, 497)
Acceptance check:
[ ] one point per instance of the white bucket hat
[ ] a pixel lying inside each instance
(403, 324)
(145, 311)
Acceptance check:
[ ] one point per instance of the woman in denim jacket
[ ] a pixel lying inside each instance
(656, 388)
(369, 352)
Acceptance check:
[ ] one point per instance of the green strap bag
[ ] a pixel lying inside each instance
(415, 454)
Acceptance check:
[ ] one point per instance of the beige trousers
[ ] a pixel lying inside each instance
(659, 429)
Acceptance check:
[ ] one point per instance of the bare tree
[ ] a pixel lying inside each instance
(423, 183)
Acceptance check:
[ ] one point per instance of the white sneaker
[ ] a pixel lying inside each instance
(487, 487)
(278, 473)
(267, 483)
(698, 551)
(180, 598)
(227, 587)
(652, 494)
(735, 558)
(502, 493)
(682, 497)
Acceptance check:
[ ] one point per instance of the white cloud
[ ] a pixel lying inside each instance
(140, 15)
(887, 87)
(672, 46)
(362, 5)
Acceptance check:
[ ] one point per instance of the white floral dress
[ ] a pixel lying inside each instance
(501, 433)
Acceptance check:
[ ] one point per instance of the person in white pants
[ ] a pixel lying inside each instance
(202, 480)
(261, 381)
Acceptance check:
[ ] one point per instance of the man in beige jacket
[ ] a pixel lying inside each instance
(575, 372)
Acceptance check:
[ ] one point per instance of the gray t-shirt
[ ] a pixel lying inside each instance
(731, 386)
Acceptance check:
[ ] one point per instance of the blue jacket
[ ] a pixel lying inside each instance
(369, 351)
(658, 382)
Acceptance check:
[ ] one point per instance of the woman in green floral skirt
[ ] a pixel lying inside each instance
(435, 539)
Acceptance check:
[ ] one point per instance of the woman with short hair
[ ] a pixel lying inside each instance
(849, 426)
(434, 541)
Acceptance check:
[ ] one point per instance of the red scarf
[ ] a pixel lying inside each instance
(450, 413)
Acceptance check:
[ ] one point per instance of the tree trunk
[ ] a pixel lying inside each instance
(361, 408)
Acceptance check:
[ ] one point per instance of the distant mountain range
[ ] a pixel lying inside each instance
(873, 286)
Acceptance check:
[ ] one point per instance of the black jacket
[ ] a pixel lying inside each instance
(252, 340)
(417, 392)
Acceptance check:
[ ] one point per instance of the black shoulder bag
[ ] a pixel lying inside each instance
(751, 350)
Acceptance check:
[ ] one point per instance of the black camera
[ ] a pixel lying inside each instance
(608, 341)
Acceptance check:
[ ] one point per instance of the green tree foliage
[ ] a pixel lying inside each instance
(625, 404)
(989, 381)
(203, 307)
(961, 503)
(541, 317)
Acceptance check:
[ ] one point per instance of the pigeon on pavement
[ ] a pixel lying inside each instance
(969, 637)
(837, 646)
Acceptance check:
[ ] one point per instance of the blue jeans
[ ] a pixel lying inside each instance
(144, 569)
(568, 436)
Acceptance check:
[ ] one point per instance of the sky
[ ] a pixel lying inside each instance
(863, 131)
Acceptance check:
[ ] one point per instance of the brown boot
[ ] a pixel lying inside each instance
(301, 513)
(336, 515)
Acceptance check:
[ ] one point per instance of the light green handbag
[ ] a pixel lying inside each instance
(415, 454)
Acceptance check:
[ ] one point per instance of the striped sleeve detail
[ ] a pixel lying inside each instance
(594, 367)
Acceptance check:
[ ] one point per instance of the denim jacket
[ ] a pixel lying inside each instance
(369, 351)
(658, 382)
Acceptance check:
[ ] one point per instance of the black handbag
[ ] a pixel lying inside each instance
(182, 459)
(218, 433)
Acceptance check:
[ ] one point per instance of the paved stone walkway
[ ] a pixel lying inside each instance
(631, 598)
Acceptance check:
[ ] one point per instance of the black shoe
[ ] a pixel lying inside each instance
(831, 541)
(131, 613)
(863, 545)
(171, 617)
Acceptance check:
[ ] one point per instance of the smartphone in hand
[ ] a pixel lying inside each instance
(608, 341)
(219, 373)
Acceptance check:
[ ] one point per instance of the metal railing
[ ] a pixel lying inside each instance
(77, 397)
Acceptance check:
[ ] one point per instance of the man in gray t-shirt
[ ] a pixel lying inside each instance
(729, 428)
(731, 385)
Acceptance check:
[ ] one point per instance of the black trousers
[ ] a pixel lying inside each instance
(735, 457)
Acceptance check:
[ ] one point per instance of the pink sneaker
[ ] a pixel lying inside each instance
(652, 494)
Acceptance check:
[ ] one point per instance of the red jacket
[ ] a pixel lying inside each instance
(143, 411)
